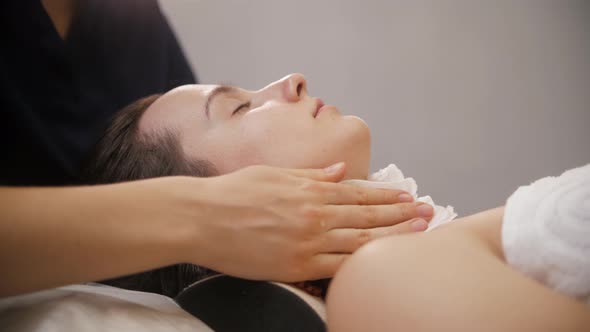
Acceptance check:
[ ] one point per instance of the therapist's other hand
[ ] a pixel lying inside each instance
(289, 225)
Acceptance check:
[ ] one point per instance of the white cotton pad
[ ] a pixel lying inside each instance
(392, 177)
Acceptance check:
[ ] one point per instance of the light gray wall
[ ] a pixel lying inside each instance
(471, 98)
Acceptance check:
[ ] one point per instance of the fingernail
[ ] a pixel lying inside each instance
(334, 168)
(405, 198)
(425, 210)
(419, 225)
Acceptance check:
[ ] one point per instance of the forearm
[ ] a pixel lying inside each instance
(56, 236)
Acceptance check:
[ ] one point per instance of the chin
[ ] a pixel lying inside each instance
(360, 134)
(358, 124)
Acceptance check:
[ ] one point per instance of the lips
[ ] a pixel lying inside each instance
(319, 105)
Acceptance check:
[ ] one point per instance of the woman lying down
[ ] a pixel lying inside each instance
(523, 267)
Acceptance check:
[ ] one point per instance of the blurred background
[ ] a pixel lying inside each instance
(471, 98)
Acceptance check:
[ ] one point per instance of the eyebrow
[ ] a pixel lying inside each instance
(221, 89)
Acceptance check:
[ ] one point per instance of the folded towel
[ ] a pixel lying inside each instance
(392, 177)
(546, 232)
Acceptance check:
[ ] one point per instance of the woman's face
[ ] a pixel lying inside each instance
(278, 125)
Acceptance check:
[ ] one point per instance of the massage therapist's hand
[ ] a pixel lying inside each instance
(259, 222)
(291, 225)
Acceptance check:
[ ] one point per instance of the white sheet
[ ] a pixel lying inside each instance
(95, 307)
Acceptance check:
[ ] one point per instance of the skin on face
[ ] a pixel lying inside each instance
(278, 125)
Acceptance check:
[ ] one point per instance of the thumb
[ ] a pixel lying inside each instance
(333, 173)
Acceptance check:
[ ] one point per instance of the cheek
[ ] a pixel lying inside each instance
(340, 139)
(238, 145)
(278, 139)
(262, 135)
(292, 141)
(285, 140)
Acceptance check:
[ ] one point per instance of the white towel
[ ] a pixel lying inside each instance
(392, 177)
(546, 232)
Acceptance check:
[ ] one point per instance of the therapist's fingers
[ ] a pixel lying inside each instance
(339, 244)
(371, 216)
(333, 173)
(324, 266)
(345, 194)
(348, 240)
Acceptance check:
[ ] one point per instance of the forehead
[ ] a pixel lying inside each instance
(177, 108)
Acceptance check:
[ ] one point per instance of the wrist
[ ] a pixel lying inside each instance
(156, 219)
(187, 212)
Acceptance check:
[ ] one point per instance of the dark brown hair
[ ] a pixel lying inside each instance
(125, 154)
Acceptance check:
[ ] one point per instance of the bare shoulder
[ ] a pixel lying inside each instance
(483, 228)
(456, 275)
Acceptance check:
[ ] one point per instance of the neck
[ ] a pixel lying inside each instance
(350, 175)
(61, 13)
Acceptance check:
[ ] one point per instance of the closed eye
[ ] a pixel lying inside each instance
(242, 107)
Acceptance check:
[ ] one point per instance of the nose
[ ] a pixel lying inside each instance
(290, 88)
